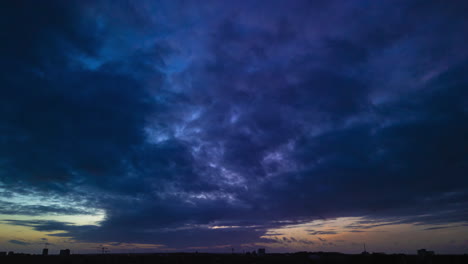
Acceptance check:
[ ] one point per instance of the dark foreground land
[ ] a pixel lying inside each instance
(183, 258)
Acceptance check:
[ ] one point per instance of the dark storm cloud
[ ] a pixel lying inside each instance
(18, 242)
(175, 118)
(42, 35)
(52, 226)
(439, 227)
(363, 225)
(306, 242)
(181, 238)
(313, 232)
(70, 124)
(15, 209)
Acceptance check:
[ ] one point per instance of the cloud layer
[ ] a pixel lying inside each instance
(175, 117)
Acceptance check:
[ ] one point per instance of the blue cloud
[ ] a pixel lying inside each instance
(174, 117)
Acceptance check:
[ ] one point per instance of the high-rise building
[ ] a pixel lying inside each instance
(261, 251)
(45, 252)
(65, 252)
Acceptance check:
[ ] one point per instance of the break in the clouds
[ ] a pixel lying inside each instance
(210, 123)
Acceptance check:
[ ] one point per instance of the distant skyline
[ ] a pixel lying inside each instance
(185, 125)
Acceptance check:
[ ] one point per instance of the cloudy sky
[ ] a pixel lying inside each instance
(187, 125)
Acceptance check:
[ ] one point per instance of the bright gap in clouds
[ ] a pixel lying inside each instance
(349, 234)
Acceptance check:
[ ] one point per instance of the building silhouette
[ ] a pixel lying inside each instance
(45, 252)
(423, 252)
(261, 251)
(65, 252)
(365, 251)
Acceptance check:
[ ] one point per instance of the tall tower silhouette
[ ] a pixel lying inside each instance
(45, 250)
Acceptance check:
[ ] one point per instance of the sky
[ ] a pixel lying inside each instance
(187, 125)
